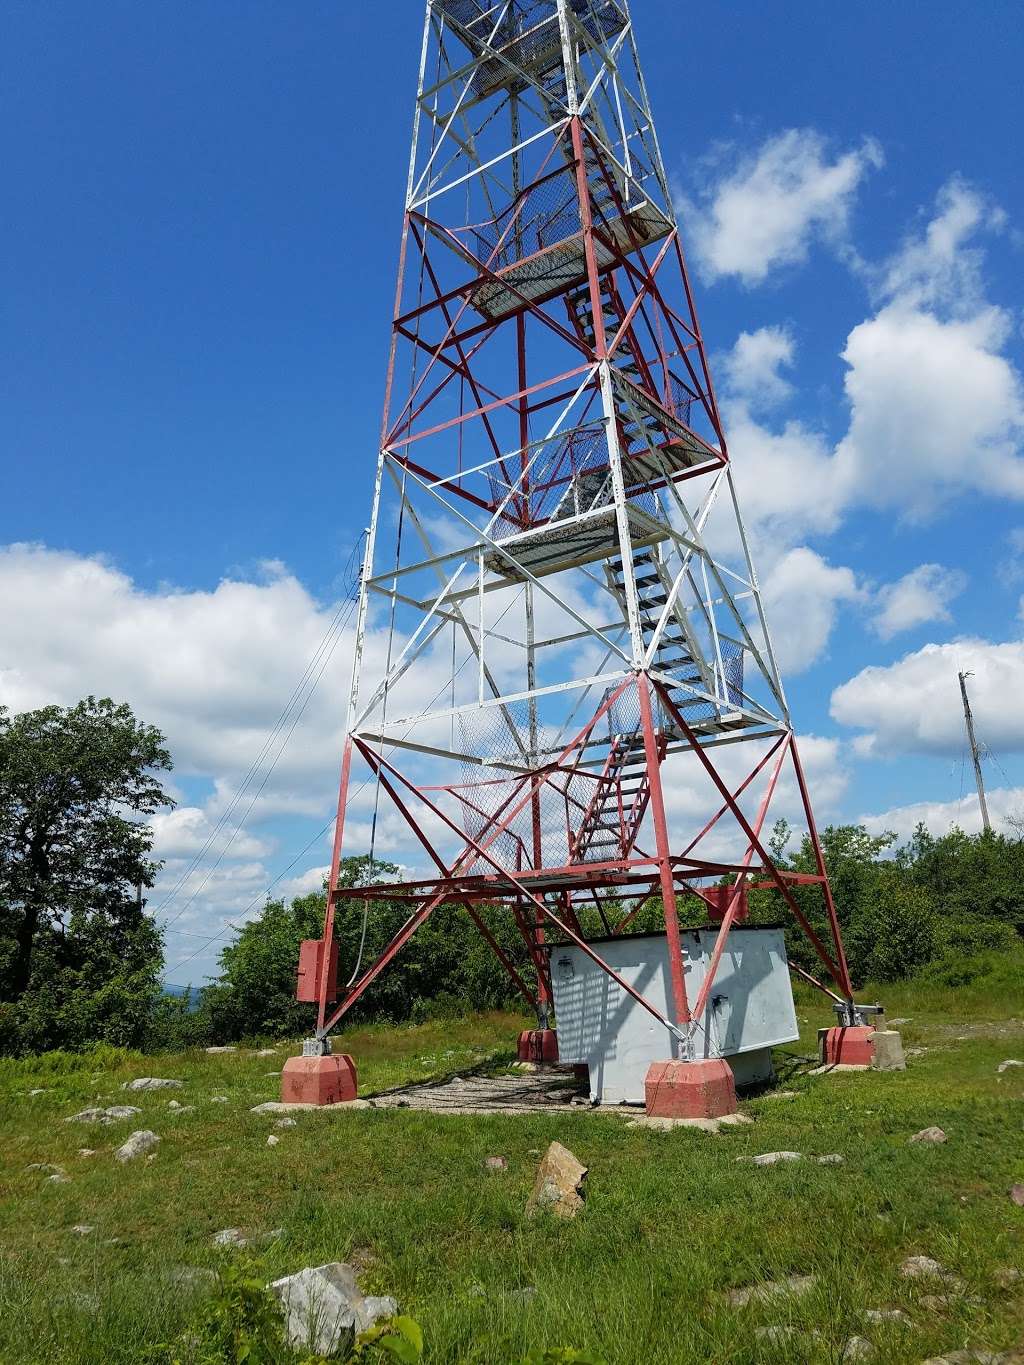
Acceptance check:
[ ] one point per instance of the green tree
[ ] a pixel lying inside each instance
(79, 958)
(446, 967)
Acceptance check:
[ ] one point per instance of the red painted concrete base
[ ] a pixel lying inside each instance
(690, 1090)
(318, 1080)
(539, 1045)
(848, 1046)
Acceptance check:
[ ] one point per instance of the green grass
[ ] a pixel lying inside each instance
(671, 1223)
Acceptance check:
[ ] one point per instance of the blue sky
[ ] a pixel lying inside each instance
(198, 249)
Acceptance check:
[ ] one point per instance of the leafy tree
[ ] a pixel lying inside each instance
(447, 967)
(79, 958)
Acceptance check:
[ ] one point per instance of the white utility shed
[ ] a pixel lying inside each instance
(749, 1012)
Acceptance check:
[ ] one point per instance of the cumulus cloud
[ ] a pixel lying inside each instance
(756, 213)
(802, 593)
(918, 597)
(914, 705)
(1005, 808)
(938, 266)
(691, 798)
(935, 410)
(752, 368)
(936, 405)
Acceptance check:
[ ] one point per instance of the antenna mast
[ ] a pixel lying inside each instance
(969, 720)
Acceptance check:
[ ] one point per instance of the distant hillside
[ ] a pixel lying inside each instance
(192, 992)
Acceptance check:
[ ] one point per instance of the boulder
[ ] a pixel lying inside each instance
(151, 1083)
(558, 1188)
(230, 1237)
(770, 1289)
(888, 1315)
(116, 1111)
(770, 1158)
(922, 1267)
(142, 1140)
(857, 1348)
(323, 1307)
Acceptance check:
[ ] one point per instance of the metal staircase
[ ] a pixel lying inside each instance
(613, 818)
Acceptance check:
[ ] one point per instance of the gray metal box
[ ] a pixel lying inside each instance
(749, 1012)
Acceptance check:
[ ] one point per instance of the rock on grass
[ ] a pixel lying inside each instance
(929, 1135)
(142, 1140)
(770, 1289)
(558, 1188)
(151, 1083)
(323, 1307)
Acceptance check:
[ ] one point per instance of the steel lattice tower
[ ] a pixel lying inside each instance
(556, 562)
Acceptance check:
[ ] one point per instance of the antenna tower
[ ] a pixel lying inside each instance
(563, 689)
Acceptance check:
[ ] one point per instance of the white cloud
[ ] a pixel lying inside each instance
(785, 479)
(187, 830)
(765, 210)
(752, 368)
(802, 593)
(936, 405)
(936, 410)
(691, 798)
(922, 595)
(1005, 808)
(914, 705)
(937, 267)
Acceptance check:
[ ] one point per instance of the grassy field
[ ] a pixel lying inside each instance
(672, 1221)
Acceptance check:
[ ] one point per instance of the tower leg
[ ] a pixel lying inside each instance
(318, 1077)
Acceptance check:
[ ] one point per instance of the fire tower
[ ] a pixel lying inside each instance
(561, 644)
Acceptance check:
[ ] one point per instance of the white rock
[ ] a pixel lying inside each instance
(116, 1111)
(87, 1151)
(922, 1267)
(272, 1140)
(831, 1159)
(59, 1178)
(83, 1229)
(173, 1104)
(142, 1140)
(770, 1289)
(218, 1099)
(857, 1349)
(33, 1093)
(929, 1135)
(229, 1048)
(776, 1334)
(151, 1083)
(230, 1237)
(286, 1123)
(323, 1306)
(770, 1158)
(887, 1315)
(1003, 1066)
(267, 1052)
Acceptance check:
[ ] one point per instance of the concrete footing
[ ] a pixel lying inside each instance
(318, 1080)
(539, 1045)
(690, 1090)
(888, 1050)
(861, 1046)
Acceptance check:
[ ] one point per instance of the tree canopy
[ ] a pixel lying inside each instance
(79, 957)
